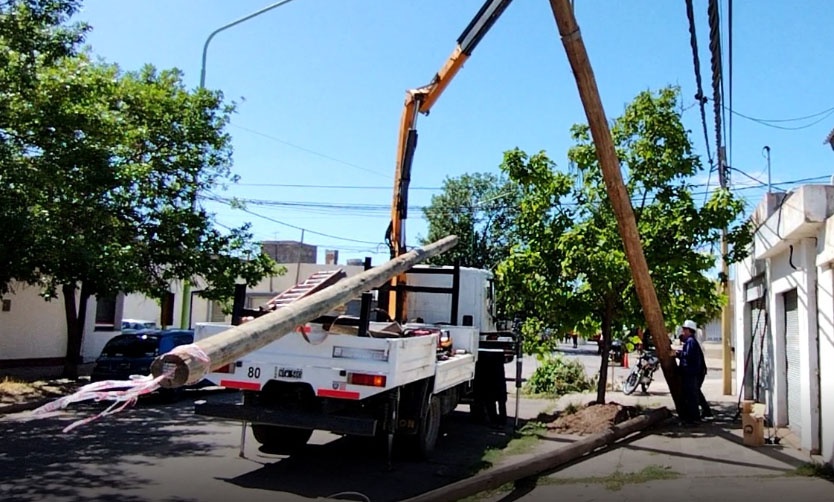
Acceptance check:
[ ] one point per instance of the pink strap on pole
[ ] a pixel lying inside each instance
(123, 393)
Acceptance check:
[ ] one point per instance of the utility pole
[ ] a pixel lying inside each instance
(185, 315)
(726, 321)
(620, 201)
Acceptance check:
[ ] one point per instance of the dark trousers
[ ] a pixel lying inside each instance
(706, 411)
(691, 400)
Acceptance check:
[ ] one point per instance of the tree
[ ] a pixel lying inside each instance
(33, 34)
(109, 165)
(479, 208)
(569, 261)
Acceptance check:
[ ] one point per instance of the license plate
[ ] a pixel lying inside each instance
(289, 373)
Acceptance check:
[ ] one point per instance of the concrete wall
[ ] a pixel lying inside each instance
(794, 249)
(825, 321)
(35, 329)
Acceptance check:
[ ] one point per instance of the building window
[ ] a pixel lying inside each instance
(105, 313)
(167, 310)
(217, 314)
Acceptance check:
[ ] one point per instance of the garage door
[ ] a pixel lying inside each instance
(793, 362)
(761, 361)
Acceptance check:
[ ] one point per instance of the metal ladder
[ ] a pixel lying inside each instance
(312, 284)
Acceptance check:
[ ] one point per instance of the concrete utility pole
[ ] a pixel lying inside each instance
(610, 164)
(726, 326)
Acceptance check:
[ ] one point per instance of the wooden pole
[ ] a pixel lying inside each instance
(617, 193)
(226, 347)
(494, 478)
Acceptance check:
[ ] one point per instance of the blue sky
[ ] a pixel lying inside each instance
(320, 86)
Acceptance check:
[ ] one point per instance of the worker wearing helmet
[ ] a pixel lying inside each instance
(692, 365)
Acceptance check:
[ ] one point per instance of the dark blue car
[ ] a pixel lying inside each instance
(132, 353)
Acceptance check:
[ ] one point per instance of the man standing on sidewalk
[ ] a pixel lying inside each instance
(706, 411)
(692, 364)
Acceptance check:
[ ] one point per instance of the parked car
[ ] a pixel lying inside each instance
(137, 324)
(132, 353)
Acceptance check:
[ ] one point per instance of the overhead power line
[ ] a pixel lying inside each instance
(310, 151)
(228, 203)
(696, 62)
(824, 116)
(793, 119)
(338, 187)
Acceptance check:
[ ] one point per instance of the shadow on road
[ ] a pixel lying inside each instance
(353, 464)
(39, 462)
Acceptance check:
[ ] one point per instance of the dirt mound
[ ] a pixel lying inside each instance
(592, 419)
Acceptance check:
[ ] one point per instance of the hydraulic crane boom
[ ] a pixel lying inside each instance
(421, 100)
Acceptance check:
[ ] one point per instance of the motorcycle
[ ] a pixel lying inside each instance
(615, 353)
(641, 373)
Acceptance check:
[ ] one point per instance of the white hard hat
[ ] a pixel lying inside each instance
(690, 324)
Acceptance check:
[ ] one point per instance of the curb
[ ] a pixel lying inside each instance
(17, 408)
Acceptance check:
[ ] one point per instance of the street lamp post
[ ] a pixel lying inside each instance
(186, 288)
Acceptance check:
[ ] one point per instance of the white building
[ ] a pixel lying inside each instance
(784, 315)
(33, 333)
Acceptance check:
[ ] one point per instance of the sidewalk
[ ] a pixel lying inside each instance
(706, 463)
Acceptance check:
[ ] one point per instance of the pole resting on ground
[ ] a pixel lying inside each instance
(494, 478)
(190, 366)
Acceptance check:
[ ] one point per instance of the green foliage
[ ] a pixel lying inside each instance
(815, 470)
(630, 342)
(102, 169)
(532, 337)
(568, 266)
(559, 376)
(479, 208)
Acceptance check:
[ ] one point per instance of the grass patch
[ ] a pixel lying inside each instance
(570, 409)
(524, 441)
(613, 482)
(505, 488)
(617, 480)
(815, 470)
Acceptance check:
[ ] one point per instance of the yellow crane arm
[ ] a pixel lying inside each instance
(421, 100)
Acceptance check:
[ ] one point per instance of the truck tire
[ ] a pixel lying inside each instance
(421, 444)
(280, 440)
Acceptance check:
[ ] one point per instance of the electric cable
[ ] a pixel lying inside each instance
(289, 225)
(696, 62)
(312, 152)
(717, 76)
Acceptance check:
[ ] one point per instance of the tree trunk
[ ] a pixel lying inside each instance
(602, 383)
(76, 318)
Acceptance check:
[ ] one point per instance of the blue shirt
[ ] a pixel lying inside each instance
(692, 358)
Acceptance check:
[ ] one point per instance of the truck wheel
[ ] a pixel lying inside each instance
(423, 442)
(280, 440)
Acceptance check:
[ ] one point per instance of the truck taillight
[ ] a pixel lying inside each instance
(366, 379)
(225, 369)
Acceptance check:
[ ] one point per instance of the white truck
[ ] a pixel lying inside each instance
(383, 379)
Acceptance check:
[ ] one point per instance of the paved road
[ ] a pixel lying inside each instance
(163, 451)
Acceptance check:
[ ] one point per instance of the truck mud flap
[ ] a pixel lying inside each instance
(356, 426)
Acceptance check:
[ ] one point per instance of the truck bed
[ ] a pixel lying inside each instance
(350, 367)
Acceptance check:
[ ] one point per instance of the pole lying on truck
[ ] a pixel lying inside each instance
(421, 100)
(192, 363)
